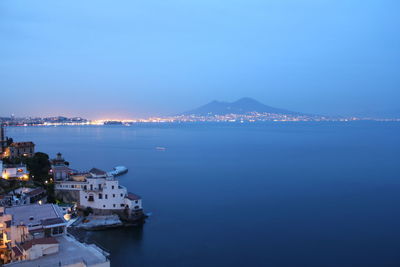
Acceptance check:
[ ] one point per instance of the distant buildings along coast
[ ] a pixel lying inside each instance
(242, 110)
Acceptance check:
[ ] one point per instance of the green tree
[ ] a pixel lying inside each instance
(51, 198)
(39, 167)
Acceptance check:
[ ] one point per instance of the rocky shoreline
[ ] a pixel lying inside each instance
(103, 222)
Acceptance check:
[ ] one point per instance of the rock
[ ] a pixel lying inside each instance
(94, 222)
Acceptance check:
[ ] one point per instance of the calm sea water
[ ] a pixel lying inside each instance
(276, 194)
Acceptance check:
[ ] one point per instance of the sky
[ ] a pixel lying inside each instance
(129, 59)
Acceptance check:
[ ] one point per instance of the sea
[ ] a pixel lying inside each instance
(246, 194)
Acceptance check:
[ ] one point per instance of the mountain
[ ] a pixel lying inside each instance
(241, 106)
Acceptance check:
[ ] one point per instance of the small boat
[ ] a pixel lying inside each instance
(119, 170)
(160, 148)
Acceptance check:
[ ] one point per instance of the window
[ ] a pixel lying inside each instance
(31, 218)
(121, 195)
(91, 198)
(100, 196)
(85, 187)
(104, 206)
(136, 201)
(58, 230)
(114, 205)
(112, 187)
(106, 196)
(99, 186)
(136, 207)
(113, 195)
(91, 187)
(122, 205)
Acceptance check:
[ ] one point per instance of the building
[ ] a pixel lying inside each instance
(97, 173)
(24, 196)
(10, 236)
(14, 171)
(28, 231)
(42, 220)
(37, 195)
(59, 168)
(70, 253)
(20, 149)
(34, 235)
(102, 193)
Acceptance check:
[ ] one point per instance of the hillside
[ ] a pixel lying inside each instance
(241, 106)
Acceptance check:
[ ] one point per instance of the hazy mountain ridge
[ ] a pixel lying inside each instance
(242, 106)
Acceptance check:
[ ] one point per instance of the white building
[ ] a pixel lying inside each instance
(103, 194)
(34, 235)
(24, 196)
(66, 252)
(14, 171)
(42, 220)
(59, 168)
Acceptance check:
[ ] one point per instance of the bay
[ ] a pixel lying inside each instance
(268, 194)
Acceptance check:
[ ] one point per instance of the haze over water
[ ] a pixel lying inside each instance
(272, 194)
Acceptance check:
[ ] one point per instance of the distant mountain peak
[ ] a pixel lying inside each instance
(246, 100)
(243, 105)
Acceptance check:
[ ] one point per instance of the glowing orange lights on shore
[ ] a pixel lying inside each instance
(24, 177)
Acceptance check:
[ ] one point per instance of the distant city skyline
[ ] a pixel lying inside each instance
(133, 59)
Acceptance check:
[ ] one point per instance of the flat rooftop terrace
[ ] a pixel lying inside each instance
(33, 214)
(71, 252)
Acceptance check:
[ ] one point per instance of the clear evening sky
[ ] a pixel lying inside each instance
(131, 58)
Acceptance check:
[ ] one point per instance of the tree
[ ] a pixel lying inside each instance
(51, 198)
(9, 141)
(39, 167)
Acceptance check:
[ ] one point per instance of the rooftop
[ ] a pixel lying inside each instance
(11, 165)
(97, 171)
(70, 252)
(34, 214)
(39, 241)
(35, 192)
(133, 196)
(60, 168)
(22, 144)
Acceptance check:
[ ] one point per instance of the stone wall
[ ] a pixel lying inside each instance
(124, 214)
(67, 196)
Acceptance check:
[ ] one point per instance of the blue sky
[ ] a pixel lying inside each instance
(133, 58)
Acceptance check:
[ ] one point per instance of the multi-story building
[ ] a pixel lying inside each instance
(30, 232)
(20, 149)
(10, 235)
(42, 220)
(59, 168)
(102, 193)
